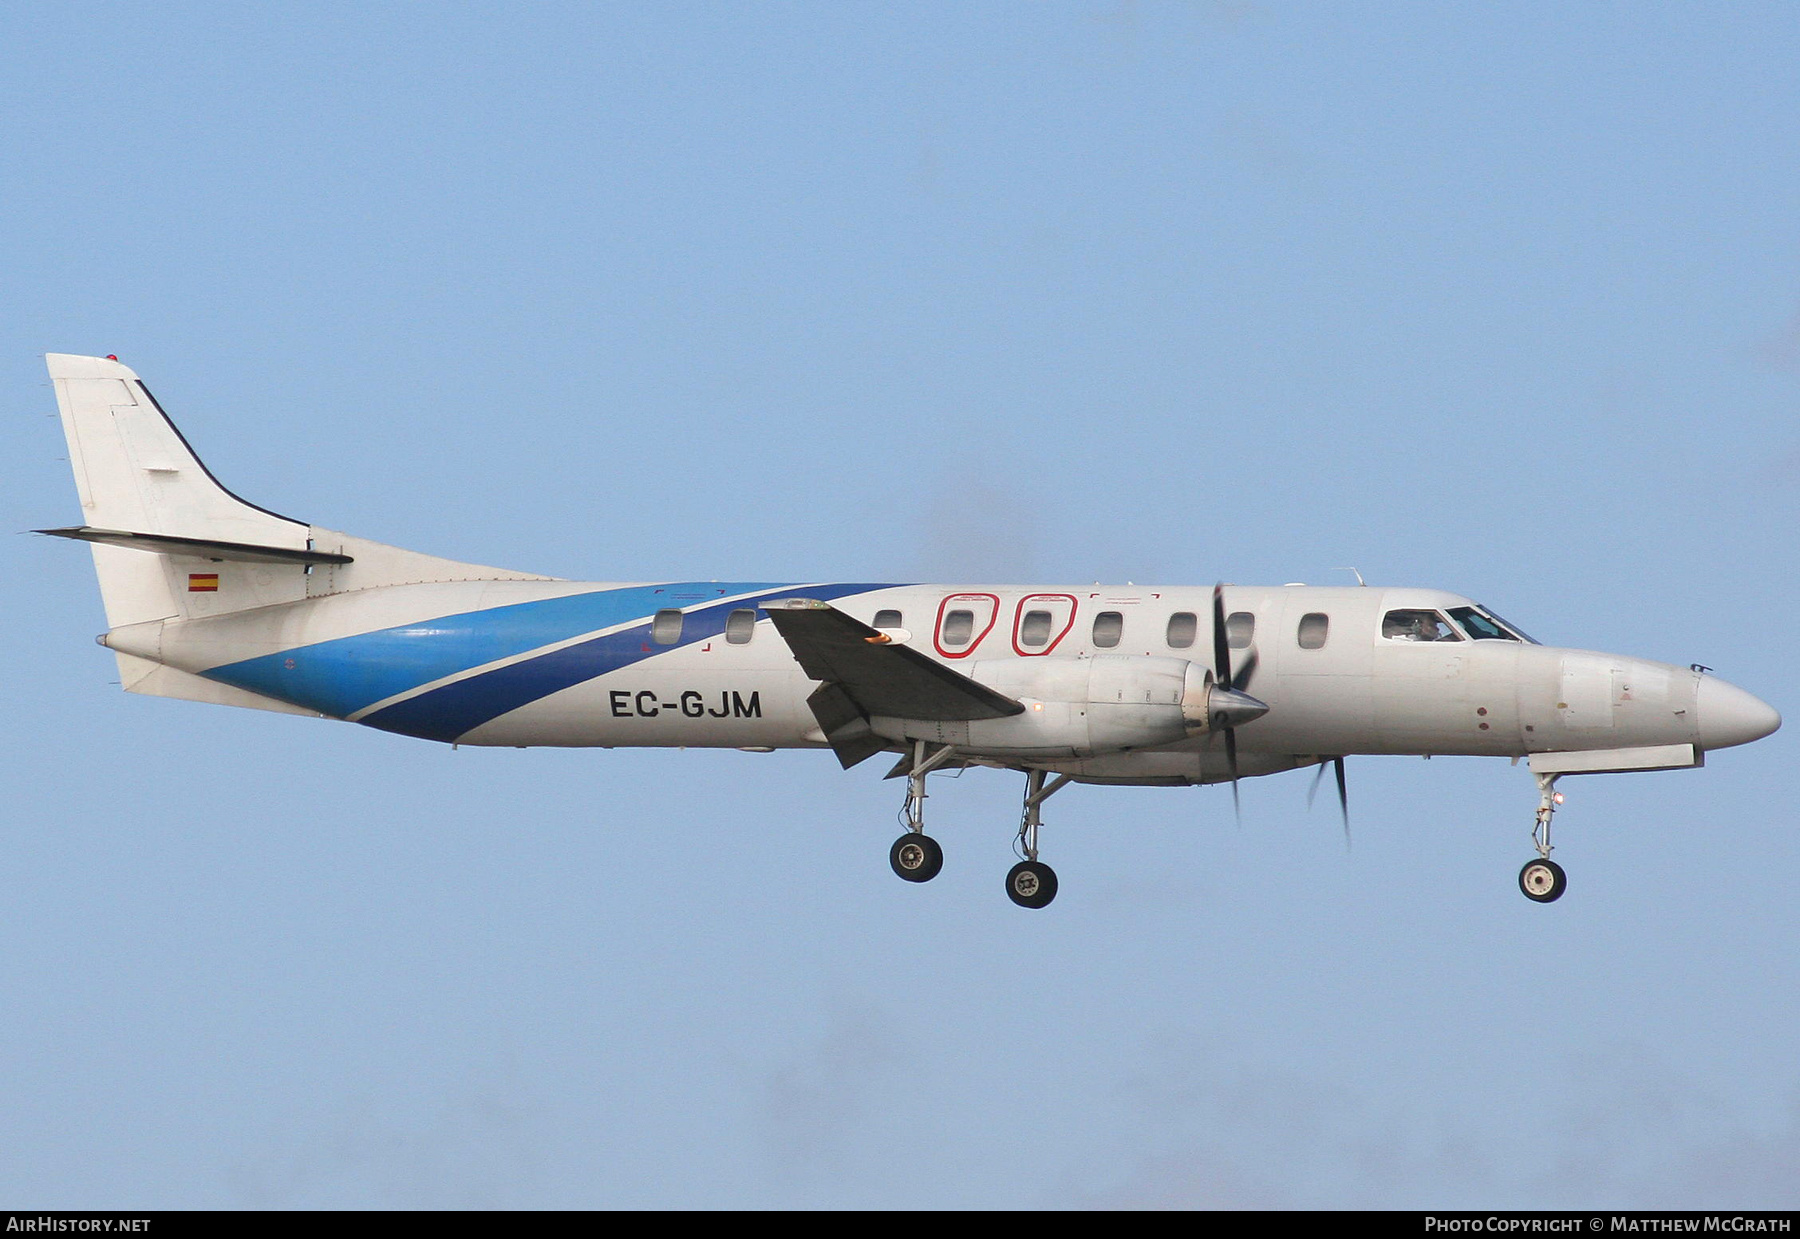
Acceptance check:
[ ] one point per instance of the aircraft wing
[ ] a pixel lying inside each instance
(864, 673)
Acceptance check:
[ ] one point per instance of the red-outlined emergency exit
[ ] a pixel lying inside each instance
(962, 621)
(1041, 622)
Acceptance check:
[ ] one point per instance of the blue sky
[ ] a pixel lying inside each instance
(1501, 300)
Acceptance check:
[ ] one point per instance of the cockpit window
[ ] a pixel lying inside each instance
(1417, 626)
(1483, 625)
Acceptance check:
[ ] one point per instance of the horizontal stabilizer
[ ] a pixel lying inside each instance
(199, 548)
(879, 676)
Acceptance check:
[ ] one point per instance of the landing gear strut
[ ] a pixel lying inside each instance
(1032, 884)
(915, 855)
(1543, 880)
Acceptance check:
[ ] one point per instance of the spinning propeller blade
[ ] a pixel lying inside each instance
(1232, 704)
(1221, 650)
(1231, 759)
(1241, 682)
(1337, 765)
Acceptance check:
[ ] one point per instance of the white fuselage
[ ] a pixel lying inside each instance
(212, 598)
(534, 662)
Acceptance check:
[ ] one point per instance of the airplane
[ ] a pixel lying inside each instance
(209, 597)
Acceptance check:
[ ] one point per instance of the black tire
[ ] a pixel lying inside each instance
(1543, 881)
(1031, 885)
(916, 857)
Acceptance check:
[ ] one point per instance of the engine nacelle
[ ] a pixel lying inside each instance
(1078, 707)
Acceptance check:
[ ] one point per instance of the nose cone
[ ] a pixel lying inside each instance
(1729, 715)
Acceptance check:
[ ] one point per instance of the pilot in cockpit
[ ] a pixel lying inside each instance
(1417, 626)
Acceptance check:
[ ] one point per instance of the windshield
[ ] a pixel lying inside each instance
(1483, 625)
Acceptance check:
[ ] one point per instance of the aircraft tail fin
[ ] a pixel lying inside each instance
(171, 543)
(137, 476)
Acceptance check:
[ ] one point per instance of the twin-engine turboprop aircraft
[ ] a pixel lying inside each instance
(214, 599)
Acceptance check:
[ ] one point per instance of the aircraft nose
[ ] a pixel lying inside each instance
(1729, 715)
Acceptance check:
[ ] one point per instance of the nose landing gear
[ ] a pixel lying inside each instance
(1543, 880)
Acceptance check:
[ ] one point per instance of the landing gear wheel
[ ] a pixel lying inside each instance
(1031, 885)
(916, 857)
(1543, 881)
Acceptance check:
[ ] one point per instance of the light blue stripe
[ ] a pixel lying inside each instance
(343, 676)
(453, 710)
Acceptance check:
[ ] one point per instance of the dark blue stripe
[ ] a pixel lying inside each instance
(456, 709)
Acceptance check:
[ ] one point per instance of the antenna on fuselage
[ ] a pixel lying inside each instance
(1353, 572)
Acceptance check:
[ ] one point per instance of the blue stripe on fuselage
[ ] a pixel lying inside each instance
(456, 709)
(349, 674)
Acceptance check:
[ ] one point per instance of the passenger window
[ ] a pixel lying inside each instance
(1107, 627)
(888, 619)
(665, 629)
(1417, 626)
(959, 626)
(740, 626)
(1034, 630)
(1240, 630)
(1313, 628)
(1182, 627)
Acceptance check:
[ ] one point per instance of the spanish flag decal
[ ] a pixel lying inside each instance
(203, 582)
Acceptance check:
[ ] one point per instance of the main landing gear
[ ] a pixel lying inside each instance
(1543, 880)
(916, 856)
(1031, 883)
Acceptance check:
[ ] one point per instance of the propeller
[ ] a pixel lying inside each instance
(1337, 765)
(1230, 706)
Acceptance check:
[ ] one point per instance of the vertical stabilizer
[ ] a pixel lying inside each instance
(136, 474)
(171, 544)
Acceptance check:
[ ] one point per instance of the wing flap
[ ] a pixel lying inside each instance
(845, 727)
